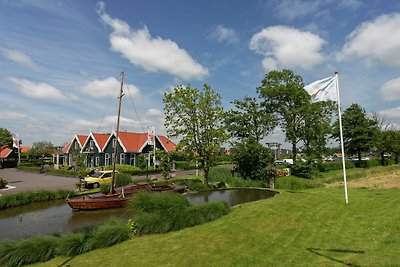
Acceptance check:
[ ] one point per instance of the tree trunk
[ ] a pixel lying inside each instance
(383, 159)
(359, 156)
(294, 152)
(206, 170)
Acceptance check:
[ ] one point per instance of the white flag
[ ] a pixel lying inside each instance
(322, 90)
(15, 140)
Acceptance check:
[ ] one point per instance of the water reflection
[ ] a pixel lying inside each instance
(231, 196)
(56, 217)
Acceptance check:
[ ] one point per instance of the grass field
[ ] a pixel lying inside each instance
(295, 228)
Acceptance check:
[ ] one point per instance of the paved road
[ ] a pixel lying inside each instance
(28, 181)
(21, 181)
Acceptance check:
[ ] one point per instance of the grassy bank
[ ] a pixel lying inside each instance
(304, 228)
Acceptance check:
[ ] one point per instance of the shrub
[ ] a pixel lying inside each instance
(3, 182)
(108, 234)
(24, 198)
(123, 179)
(367, 163)
(192, 184)
(304, 169)
(72, 244)
(157, 202)
(221, 174)
(291, 183)
(335, 165)
(165, 212)
(184, 165)
(36, 249)
(124, 168)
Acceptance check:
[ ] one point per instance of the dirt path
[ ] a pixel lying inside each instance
(374, 181)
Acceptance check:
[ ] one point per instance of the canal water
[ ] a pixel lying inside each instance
(56, 217)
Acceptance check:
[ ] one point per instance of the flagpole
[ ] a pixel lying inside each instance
(341, 138)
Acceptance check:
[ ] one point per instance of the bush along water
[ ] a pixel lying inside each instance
(44, 248)
(24, 198)
(162, 213)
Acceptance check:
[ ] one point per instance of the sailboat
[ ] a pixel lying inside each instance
(117, 197)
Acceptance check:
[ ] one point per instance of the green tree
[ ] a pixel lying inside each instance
(283, 93)
(5, 138)
(249, 118)
(317, 128)
(388, 142)
(41, 149)
(196, 117)
(252, 159)
(359, 131)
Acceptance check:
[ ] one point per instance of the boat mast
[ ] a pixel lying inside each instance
(121, 94)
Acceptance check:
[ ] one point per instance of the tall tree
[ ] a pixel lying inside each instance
(359, 131)
(196, 117)
(317, 128)
(283, 93)
(5, 138)
(388, 142)
(249, 118)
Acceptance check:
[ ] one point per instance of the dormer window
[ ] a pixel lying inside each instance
(91, 144)
(114, 141)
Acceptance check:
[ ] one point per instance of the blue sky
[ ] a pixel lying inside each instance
(60, 60)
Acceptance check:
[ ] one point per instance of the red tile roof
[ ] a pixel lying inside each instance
(4, 152)
(81, 139)
(24, 149)
(166, 143)
(66, 148)
(100, 139)
(132, 142)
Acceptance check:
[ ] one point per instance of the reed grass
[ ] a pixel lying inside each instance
(158, 202)
(72, 244)
(36, 249)
(112, 232)
(28, 197)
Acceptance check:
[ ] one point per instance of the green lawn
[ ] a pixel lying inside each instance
(300, 228)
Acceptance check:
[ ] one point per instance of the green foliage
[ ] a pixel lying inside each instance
(72, 244)
(221, 174)
(388, 142)
(24, 198)
(249, 118)
(165, 163)
(5, 138)
(283, 94)
(157, 202)
(3, 182)
(367, 163)
(165, 212)
(193, 184)
(335, 165)
(292, 183)
(184, 165)
(252, 159)
(124, 168)
(304, 169)
(36, 249)
(41, 149)
(359, 131)
(108, 234)
(196, 116)
(123, 179)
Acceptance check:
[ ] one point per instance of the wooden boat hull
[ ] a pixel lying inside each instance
(120, 198)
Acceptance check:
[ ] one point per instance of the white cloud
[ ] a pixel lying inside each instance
(18, 57)
(13, 115)
(151, 53)
(155, 113)
(108, 88)
(375, 41)
(284, 46)
(224, 34)
(293, 9)
(39, 90)
(391, 90)
(393, 113)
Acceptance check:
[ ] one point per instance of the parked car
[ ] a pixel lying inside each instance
(97, 178)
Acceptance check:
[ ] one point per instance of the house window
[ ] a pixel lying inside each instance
(97, 161)
(91, 144)
(122, 158)
(132, 160)
(107, 159)
(76, 145)
(114, 141)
